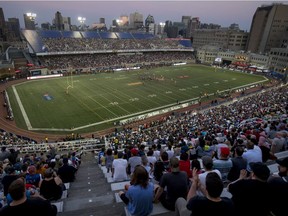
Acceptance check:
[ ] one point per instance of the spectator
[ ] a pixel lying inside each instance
(252, 154)
(23, 206)
(67, 172)
(51, 187)
(109, 159)
(210, 204)
(134, 160)
(184, 164)
(161, 166)
(172, 186)
(139, 196)
(207, 162)
(279, 189)
(251, 196)
(224, 163)
(238, 163)
(9, 178)
(119, 167)
(32, 178)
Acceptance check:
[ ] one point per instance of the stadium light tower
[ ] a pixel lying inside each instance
(82, 21)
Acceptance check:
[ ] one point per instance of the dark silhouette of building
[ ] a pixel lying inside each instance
(268, 29)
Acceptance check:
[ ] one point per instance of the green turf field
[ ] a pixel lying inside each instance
(98, 98)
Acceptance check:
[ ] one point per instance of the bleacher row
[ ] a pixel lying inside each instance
(83, 145)
(158, 208)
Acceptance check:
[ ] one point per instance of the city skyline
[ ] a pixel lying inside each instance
(223, 13)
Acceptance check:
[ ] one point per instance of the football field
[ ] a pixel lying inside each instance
(84, 103)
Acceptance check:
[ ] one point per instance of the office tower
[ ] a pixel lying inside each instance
(268, 29)
(2, 26)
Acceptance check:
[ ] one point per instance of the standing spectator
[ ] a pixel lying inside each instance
(139, 196)
(67, 172)
(109, 159)
(172, 186)
(119, 167)
(211, 204)
(23, 206)
(251, 196)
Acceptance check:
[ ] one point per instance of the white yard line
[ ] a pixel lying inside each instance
(26, 119)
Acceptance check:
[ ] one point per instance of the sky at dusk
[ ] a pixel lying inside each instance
(223, 13)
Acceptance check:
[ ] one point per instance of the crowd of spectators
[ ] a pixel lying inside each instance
(233, 141)
(92, 44)
(111, 60)
(43, 175)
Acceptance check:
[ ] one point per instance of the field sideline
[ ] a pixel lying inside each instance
(97, 101)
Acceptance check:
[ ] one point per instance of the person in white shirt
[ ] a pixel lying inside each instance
(119, 167)
(253, 153)
(207, 162)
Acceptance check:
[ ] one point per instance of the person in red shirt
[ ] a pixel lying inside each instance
(184, 164)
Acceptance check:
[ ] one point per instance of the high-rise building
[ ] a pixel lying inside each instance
(13, 28)
(58, 21)
(136, 20)
(186, 20)
(29, 21)
(268, 29)
(2, 26)
(149, 21)
(102, 20)
(66, 23)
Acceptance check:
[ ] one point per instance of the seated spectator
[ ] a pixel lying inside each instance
(161, 166)
(210, 204)
(252, 154)
(66, 172)
(119, 167)
(251, 196)
(207, 162)
(134, 160)
(278, 185)
(184, 164)
(238, 164)
(172, 185)
(224, 163)
(8, 178)
(23, 206)
(51, 187)
(32, 178)
(139, 196)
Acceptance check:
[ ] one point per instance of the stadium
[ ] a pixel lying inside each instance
(83, 91)
(83, 82)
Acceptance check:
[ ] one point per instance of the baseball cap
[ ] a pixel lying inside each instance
(225, 151)
(261, 170)
(134, 151)
(283, 162)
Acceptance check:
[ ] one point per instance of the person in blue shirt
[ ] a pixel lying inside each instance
(140, 193)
